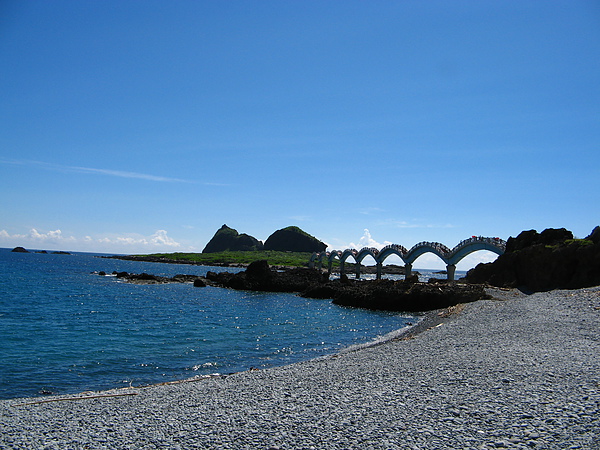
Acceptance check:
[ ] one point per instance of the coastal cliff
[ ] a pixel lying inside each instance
(552, 259)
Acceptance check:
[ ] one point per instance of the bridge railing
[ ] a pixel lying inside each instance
(397, 247)
(494, 241)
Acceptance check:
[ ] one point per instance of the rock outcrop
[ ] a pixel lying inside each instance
(378, 295)
(392, 295)
(146, 278)
(387, 295)
(259, 276)
(293, 239)
(19, 250)
(544, 261)
(228, 239)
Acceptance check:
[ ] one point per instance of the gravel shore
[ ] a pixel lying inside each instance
(517, 372)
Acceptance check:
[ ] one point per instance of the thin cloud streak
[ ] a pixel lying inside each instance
(123, 174)
(108, 172)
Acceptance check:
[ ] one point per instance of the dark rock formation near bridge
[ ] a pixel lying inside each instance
(259, 276)
(389, 295)
(409, 296)
(19, 250)
(293, 239)
(552, 259)
(228, 239)
(376, 294)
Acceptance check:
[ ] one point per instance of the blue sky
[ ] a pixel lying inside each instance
(143, 126)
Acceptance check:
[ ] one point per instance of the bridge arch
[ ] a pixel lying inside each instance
(351, 252)
(440, 250)
(461, 251)
(390, 250)
(366, 252)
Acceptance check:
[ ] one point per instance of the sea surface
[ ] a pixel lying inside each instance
(65, 329)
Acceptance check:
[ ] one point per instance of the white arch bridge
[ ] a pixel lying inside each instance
(451, 257)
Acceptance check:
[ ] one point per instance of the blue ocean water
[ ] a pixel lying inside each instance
(64, 329)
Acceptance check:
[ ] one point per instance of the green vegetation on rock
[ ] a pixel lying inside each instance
(571, 243)
(274, 258)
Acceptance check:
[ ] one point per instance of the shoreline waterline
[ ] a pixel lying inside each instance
(67, 330)
(423, 322)
(428, 319)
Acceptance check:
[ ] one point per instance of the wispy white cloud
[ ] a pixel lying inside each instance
(124, 174)
(367, 240)
(161, 238)
(125, 243)
(34, 236)
(107, 172)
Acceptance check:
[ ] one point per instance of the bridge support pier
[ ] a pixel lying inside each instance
(342, 268)
(357, 270)
(451, 269)
(379, 270)
(407, 270)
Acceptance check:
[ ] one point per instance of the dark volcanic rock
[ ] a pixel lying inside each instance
(19, 250)
(407, 296)
(550, 236)
(260, 277)
(549, 260)
(594, 235)
(381, 295)
(145, 278)
(228, 239)
(293, 239)
(311, 283)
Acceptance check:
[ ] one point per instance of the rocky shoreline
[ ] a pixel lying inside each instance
(515, 372)
(388, 269)
(404, 295)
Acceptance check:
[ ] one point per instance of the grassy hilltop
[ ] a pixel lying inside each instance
(274, 258)
(289, 246)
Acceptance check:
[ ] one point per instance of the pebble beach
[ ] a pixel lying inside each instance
(517, 372)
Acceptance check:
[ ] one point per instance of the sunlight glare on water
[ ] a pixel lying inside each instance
(65, 329)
